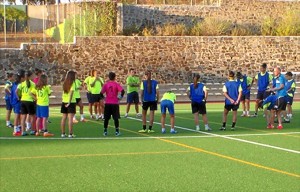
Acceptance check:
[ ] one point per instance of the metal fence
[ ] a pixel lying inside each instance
(42, 17)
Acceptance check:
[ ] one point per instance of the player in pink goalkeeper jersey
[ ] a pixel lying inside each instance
(113, 92)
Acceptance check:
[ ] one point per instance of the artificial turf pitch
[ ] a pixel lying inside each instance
(251, 158)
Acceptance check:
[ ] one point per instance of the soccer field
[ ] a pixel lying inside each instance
(251, 158)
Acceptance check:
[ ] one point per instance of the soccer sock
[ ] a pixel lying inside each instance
(206, 126)
(172, 129)
(8, 123)
(197, 127)
(244, 112)
(163, 129)
(150, 127)
(144, 127)
(28, 125)
(105, 129)
(16, 129)
(74, 117)
(117, 129)
(224, 124)
(233, 124)
(247, 112)
(81, 116)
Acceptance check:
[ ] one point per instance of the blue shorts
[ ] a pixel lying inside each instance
(167, 104)
(42, 111)
(17, 108)
(8, 105)
(133, 97)
(289, 100)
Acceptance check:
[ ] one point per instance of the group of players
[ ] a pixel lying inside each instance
(29, 99)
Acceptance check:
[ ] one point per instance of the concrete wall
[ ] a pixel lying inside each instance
(172, 59)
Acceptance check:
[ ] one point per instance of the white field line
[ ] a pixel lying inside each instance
(228, 137)
(144, 138)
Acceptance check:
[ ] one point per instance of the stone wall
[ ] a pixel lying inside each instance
(172, 59)
(237, 11)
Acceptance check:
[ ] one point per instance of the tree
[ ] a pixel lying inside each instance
(13, 14)
(38, 2)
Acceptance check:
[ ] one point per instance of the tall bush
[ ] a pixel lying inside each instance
(211, 27)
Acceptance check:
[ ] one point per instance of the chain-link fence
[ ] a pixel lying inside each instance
(60, 23)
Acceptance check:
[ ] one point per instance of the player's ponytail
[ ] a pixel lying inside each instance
(27, 76)
(196, 79)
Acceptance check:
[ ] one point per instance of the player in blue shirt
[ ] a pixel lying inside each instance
(149, 96)
(281, 93)
(7, 88)
(262, 79)
(233, 93)
(290, 86)
(269, 105)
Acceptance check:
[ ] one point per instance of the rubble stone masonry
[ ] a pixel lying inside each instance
(172, 59)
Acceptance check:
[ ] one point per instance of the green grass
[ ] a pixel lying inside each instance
(187, 161)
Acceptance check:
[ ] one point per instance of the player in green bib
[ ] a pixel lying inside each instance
(42, 93)
(68, 106)
(27, 104)
(167, 102)
(78, 100)
(88, 93)
(96, 84)
(133, 83)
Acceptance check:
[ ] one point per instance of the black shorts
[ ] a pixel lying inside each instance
(245, 97)
(133, 97)
(261, 95)
(70, 109)
(78, 100)
(28, 107)
(151, 104)
(232, 107)
(95, 98)
(198, 107)
(111, 110)
(88, 96)
(280, 104)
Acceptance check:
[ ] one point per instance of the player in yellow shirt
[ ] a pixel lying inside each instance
(41, 94)
(78, 100)
(96, 84)
(88, 93)
(68, 106)
(167, 102)
(27, 103)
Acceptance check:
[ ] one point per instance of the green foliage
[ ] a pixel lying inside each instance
(172, 30)
(97, 19)
(268, 27)
(242, 30)
(13, 14)
(287, 25)
(211, 27)
(57, 33)
(38, 2)
(131, 30)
